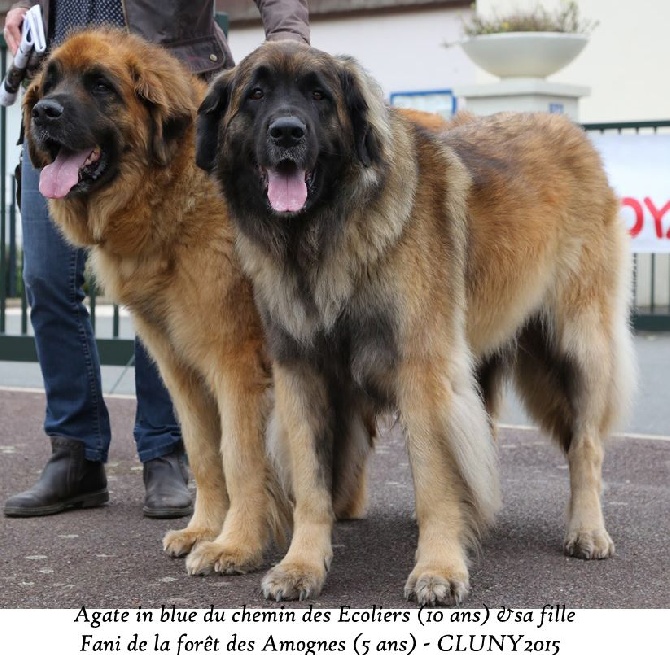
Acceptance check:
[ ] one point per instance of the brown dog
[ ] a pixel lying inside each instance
(397, 267)
(111, 120)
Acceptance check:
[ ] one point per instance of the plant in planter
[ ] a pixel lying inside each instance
(533, 43)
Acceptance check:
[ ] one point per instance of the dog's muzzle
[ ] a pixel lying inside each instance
(285, 175)
(71, 164)
(287, 132)
(47, 112)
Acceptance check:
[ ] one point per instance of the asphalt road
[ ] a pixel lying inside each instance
(111, 556)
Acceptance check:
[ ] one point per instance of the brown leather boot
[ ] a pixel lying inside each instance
(166, 485)
(68, 481)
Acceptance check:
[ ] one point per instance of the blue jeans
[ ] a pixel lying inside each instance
(66, 349)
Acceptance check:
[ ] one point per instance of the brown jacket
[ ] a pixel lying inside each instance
(187, 28)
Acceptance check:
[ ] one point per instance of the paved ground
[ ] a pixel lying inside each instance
(111, 556)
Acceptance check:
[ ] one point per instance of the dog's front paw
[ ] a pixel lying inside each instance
(433, 587)
(291, 581)
(214, 557)
(589, 544)
(178, 543)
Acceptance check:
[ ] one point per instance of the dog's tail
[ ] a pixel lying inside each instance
(625, 372)
(451, 446)
(280, 482)
(474, 451)
(280, 509)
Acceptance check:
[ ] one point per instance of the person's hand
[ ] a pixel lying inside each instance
(13, 25)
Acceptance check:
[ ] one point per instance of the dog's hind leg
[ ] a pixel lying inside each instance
(491, 374)
(545, 381)
(354, 442)
(574, 371)
(350, 464)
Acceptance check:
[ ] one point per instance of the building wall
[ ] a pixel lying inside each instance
(625, 63)
(404, 51)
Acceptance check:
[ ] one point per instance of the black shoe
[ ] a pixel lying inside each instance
(166, 485)
(68, 481)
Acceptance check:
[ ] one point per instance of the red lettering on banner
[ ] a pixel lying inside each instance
(657, 215)
(636, 206)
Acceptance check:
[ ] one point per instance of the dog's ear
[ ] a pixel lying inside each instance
(366, 110)
(31, 97)
(172, 111)
(211, 111)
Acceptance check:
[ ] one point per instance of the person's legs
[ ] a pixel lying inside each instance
(157, 430)
(159, 444)
(76, 416)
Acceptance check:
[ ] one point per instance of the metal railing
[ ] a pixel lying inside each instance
(16, 340)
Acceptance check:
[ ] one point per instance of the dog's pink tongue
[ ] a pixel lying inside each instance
(287, 192)
(59, 177)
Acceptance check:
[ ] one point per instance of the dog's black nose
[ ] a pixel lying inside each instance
(47, 111)
(287, 131)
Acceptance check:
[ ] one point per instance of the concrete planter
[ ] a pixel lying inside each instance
(524, 54)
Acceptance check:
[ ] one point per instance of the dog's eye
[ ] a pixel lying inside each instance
(50, 78)
(100, 86)
(318, 94)
(256, 94)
